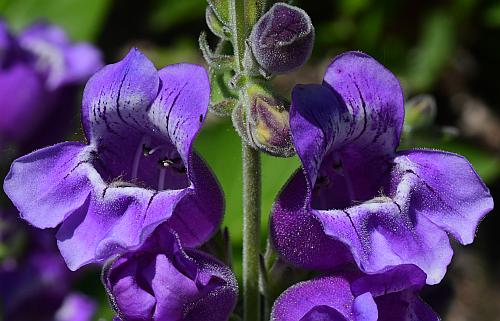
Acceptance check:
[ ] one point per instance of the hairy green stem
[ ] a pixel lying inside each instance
(237, 11)
(251, 233)
(244, 14)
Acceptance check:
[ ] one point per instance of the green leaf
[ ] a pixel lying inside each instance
(82, 19)
(169, 14)
(432, 53)
(214, 60)
(492, 16)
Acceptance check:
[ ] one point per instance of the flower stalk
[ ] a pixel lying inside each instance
(251, 232)
(244, 14)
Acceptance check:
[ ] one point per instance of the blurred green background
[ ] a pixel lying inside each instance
(450, 49)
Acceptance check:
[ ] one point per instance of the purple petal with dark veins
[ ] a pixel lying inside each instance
(116, 100)
(181, 105)
(374, 98)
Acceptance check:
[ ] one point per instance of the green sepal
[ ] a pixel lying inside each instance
(215, 25)
(222, 98)
(221, 10)
(224, 107)
(214, 61)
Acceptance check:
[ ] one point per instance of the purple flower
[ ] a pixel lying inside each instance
(38, 72)
(162, 282)
(76, 307)
(357, 197)
(136, 171)
(391, 296)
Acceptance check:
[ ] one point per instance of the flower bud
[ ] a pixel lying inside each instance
(282, 40)
(265, 122)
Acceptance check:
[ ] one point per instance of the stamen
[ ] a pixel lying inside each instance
(165, 162)
(137, 158)
(146, 150)
(157, 148)
(161, 179)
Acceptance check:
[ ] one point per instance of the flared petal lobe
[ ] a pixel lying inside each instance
(356, 297)
(448, 191)
(47, 185)
(327, 298)
(181, 105)
(348, 128)
(162, 282)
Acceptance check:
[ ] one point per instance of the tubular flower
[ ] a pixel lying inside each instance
(162, 282)
(357, 198)
(136, 171)
(391, 296)
(39, 71)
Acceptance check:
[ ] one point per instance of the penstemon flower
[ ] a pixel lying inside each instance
(357, 197)
(136, 171)
(391, 296)
(39, 71)
(161, 281)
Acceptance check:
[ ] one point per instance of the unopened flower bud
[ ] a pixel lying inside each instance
(264, 124)
(420, 112)
(282, 40)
